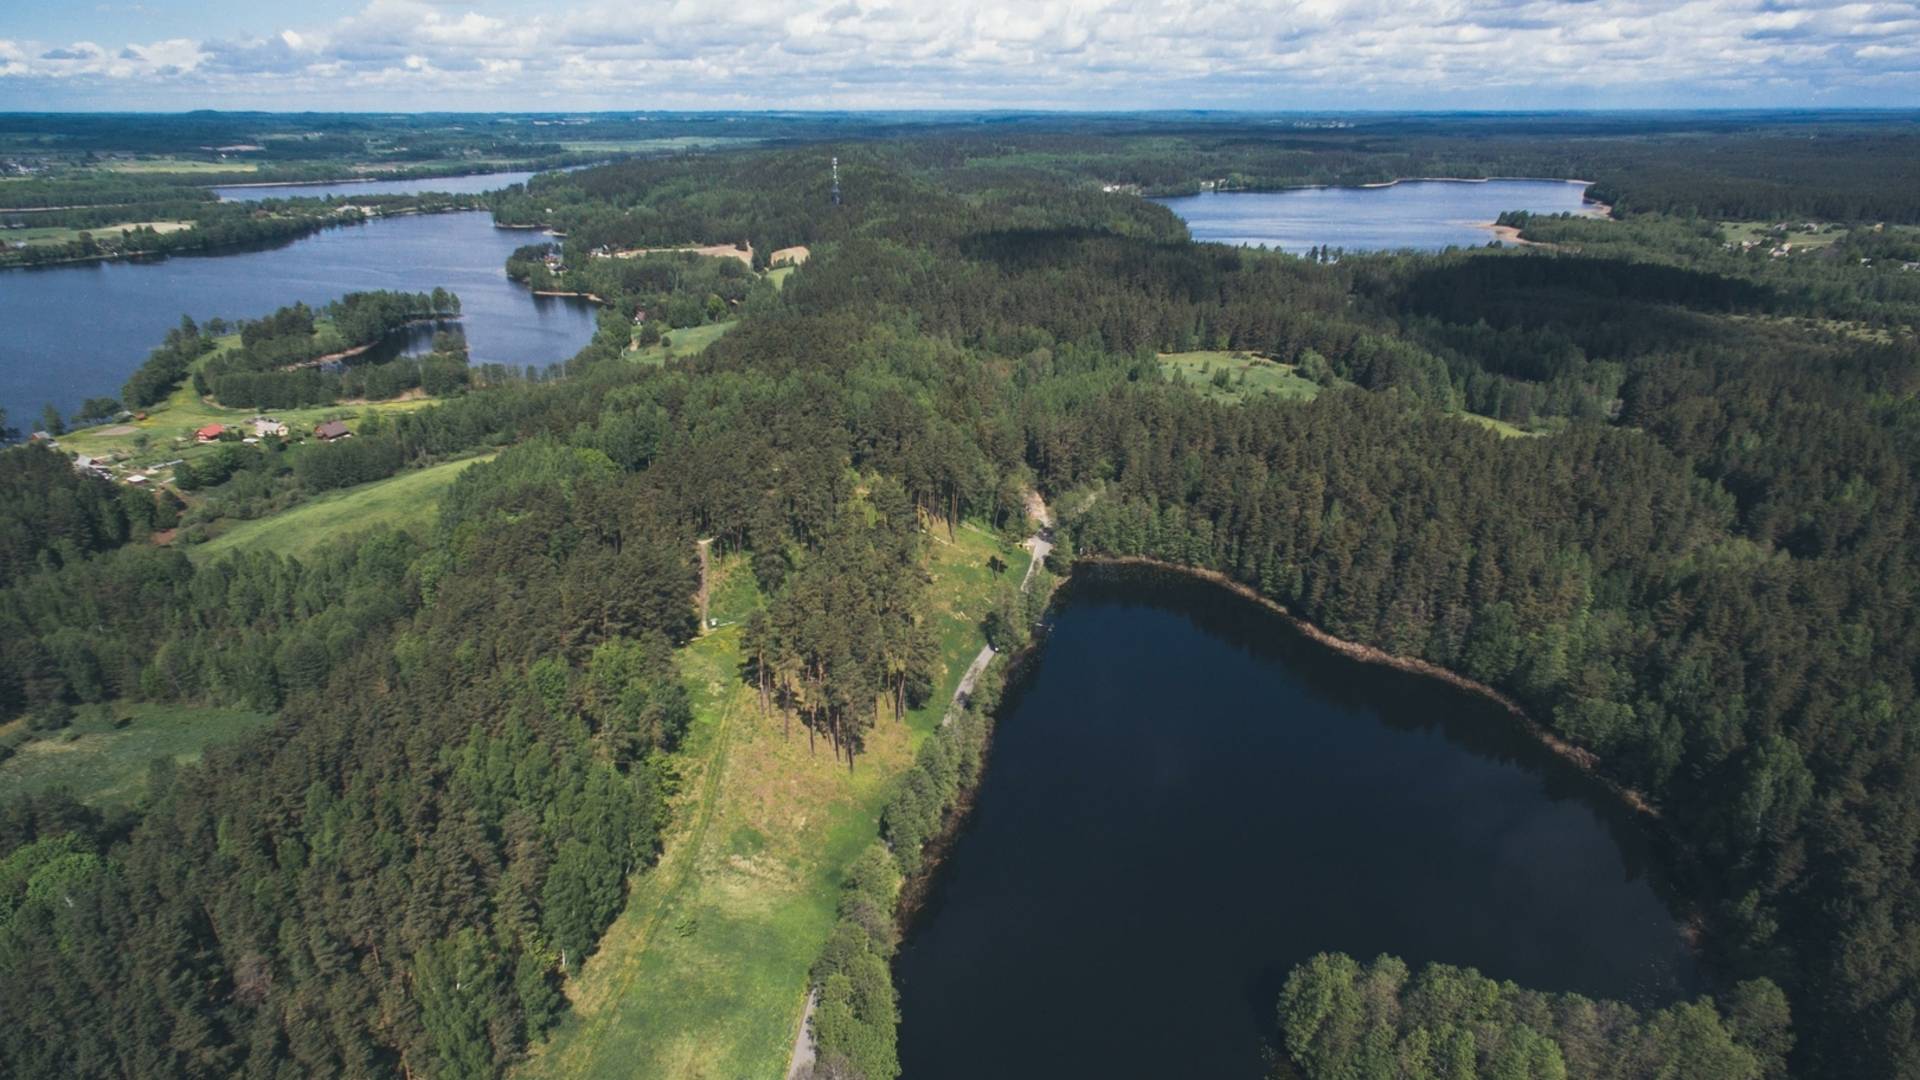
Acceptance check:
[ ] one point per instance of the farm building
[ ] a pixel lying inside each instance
(331, 430)
(210, 432)
(264, 426)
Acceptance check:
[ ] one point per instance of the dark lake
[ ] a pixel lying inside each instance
(471, 184)
(1423, 215)
(73, 332)
(1185, 799)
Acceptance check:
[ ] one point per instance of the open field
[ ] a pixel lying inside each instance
(59, 234)
(704, 973)
(107, 766)
(650, 146)
(1248, 376)
(688, 342)
(405, 500)
(179, 165)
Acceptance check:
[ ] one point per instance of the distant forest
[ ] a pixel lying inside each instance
(1700, 569)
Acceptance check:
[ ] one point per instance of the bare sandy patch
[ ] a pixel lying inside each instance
(795, 255)
(718, 251)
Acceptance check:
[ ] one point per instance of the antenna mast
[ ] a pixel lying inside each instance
(836, 180)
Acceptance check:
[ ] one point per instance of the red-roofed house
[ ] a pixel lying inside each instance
(210, 432)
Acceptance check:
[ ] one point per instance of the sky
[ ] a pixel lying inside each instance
(563, 55)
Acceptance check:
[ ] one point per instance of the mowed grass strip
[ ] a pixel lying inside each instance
(704, 973)
(1244, 375)
(106, 765)
(406, 500)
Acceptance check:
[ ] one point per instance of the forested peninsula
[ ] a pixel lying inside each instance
(1657, 490)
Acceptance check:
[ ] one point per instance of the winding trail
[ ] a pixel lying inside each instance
(1038, 545)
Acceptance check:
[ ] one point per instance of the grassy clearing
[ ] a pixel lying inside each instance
(179, 165)
(167, 432)
(407, 500)
(690, 341)
(1506, 430)
(105, 765)
(1247, 376)
(779, 275)
(704, 973)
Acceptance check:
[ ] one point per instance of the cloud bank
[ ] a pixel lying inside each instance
(1108, 54)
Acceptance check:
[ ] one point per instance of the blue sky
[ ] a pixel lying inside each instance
(1103, 54)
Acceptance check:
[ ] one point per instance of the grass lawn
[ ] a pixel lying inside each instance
(1249, 376)
(170, 424)
(107, 766)
(688, 342)
(704, 973)
(779, 275)
(406, 500)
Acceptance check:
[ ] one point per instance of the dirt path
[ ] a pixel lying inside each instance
(964, 691)
(1038, 544)
(800, 1063)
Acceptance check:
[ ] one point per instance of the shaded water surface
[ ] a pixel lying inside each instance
(1186, 799)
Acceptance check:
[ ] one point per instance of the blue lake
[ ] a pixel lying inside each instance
(457, 185)
(1422, 215)
(74, 332)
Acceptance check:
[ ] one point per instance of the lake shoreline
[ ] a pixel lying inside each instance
(1580, 758)
(361, 350)
(1683, 864)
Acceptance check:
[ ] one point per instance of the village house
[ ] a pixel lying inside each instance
(209, 433)
(331, 430)
(264, 426)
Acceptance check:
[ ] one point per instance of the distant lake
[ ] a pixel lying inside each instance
(74, 332)
(1185, 799)
(470, 184)
(1423, 215)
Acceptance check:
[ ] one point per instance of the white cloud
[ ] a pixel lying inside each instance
(1017, 53)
